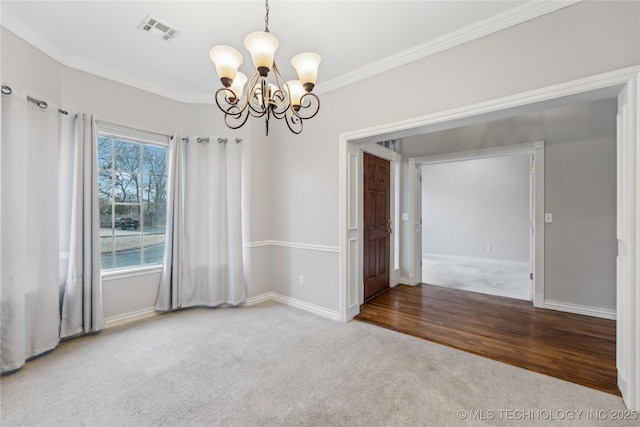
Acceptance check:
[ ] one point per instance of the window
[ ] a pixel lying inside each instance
(132, 187)
(390, 144)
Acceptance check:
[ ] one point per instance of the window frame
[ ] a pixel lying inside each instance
(143, 138)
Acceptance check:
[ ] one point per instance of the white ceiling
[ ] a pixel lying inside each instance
(356, 39)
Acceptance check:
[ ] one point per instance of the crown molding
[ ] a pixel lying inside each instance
(27, 34)
(517, 15)
(126, 79)
(31, 37)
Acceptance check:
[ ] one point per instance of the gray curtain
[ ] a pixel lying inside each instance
(168, 294)
(82, 310)
(203, 263)
(29, 310)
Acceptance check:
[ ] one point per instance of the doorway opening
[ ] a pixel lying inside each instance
(478, 218)
(620, 85)
(480, 213)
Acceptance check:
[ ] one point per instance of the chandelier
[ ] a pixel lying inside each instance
(267, 94)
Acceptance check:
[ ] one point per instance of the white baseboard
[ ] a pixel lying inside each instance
(474, 259)
(121, 319)
(604, 313)
(268, 296)
(292, 302)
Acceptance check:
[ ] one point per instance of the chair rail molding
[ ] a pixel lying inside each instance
(294, 245)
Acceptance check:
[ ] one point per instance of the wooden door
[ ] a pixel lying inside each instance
(377, 225)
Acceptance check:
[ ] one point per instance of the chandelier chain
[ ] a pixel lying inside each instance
(266, 16)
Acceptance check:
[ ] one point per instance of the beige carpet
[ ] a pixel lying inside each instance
(272, 365)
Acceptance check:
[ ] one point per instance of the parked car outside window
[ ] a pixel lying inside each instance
(125, 222)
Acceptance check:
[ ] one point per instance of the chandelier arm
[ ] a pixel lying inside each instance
(227, 95)
(283, 88)
(293, 120)
(309, 102)
(254, 95)
(282, 94)
(266, 124)
(234, 116)
(257, 112)
(280, 106)
(241, 123)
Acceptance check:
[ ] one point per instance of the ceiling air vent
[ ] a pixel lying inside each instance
(157, 29)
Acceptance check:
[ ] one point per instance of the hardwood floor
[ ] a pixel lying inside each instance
(572, 347)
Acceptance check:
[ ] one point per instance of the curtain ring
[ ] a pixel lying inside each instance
(238, 140)
(222, 140)
(202, 139)
(38, 102)
(6, 90)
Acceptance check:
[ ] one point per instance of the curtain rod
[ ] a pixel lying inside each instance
(6, 90)
(220, 140)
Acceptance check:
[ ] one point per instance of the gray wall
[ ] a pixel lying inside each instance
(296, 193)
(578, 41)
(28, 68)
(468, 205)
(580, 191)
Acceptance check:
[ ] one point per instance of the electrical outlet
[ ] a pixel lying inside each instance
(489, 248)
(301, 280)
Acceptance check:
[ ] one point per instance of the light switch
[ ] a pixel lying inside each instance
(405, 217)
(548, 218)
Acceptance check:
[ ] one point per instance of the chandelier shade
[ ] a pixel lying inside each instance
(306, 65)
(267, 92)
(227, 61)
(237, 87)
(262, 46)
(296, 91)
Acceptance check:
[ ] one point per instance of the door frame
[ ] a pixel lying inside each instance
(355, 165)
(536, 239)
(628, 317)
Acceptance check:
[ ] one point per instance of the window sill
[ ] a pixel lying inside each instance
(131, 272)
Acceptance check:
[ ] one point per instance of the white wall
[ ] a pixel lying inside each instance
(469, 205)
(581, 40)
(296, 192)
(580, 192)
(26, 67)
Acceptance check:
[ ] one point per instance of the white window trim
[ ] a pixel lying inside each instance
(135, 135)
(112, 130)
